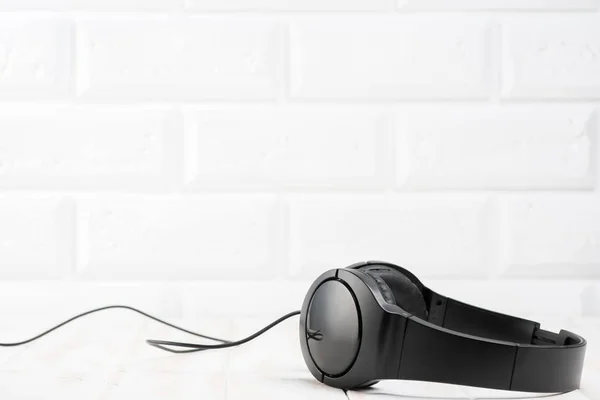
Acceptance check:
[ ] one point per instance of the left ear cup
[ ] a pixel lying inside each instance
(397, 289)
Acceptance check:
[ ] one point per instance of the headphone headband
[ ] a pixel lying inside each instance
(351, 337)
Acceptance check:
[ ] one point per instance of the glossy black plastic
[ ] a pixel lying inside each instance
(333, 327)
(380, 346)
(352, 337)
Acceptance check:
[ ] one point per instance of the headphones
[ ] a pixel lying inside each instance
(375, 320)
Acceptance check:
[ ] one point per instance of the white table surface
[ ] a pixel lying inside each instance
(105, 357)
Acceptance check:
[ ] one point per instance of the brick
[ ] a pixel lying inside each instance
(35, 58)
(89, 148)
(498, 5)
(551, 57)
(91, 5)
(179, 238)
(497, 147)
(179, 59)
(290, 147)
(291, 5)
(36, 237)
(552, 236)
(382, 59)
(443, 236)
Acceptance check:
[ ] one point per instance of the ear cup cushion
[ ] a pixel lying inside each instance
(398, 287)
(383, 287)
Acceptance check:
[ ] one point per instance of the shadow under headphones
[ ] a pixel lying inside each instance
(375, 320)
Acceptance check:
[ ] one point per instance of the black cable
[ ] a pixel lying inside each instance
(107, 308)
(161, 343)
(199, 347)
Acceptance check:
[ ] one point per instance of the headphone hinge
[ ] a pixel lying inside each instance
(542, 337)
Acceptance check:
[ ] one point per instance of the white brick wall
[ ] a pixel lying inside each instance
(497, 147)
(92, 5)
(550, 57)
(438, 236)
(179, 59)
(544, 240)
(499, 5)
(89, 148)
(36, 237)
(379, 58)
(191, 140)
(308, 147)
(36, 58)
(175, 238)
(292, 5)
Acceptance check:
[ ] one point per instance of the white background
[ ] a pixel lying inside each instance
(153, 151)
(207, 159)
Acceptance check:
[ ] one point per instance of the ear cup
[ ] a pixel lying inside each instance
(397, 289)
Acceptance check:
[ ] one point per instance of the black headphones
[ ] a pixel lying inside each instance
(375, 320)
